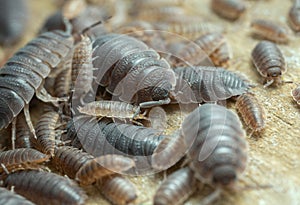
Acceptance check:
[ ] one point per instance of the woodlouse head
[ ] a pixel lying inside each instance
(274, 72)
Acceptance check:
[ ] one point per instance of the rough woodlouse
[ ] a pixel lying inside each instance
(13, 20)
(48, 188)
(117, 189)
(296, 94)
(10, 198)
(251, 111)
(294, 16)
(207, 84)
(132, 71)
(269, 61)
(177, 188)
(24, 138)
(229, 9)
(270, 30)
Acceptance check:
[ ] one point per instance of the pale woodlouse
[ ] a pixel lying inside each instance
(270, 30)
(229, 9)
(48, 188)
(10, 198)
(269, 62)
(251, 111)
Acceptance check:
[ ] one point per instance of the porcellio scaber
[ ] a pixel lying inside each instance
(10, 198)
(228, 9)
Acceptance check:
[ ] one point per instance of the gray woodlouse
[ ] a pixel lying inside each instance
(229, 9)
(23, 74)
(295, 93)
(269, 62)
(217, 145)
(10, 198)
(294, 16)
(207, 84)
(117, 189)
(13, 20)
(48, 188)
(63, 82)
(21, 158)
(103, 166)
(251, 111)
(177, 188)
(133, 72)
(46, 134)
(68, 160)
(270, 30)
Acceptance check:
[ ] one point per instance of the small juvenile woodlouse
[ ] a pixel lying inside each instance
(46, 133)
(177, 188)
(269, 62)
(10, 198)
(296, 94)
(63, 82)
(270, 30)
(21, 158)
(229, 9)
(207, 84)
(48, 188)
(117, 189)
(24, 138)
(158, 118)
(294, 16)
(102, 166)
(251, 111)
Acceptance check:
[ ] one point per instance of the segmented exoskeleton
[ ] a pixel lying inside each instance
(10, 198)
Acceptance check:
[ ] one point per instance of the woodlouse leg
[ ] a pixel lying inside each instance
(44, 96)
(150, 104)
(268, 83)
(28, 120)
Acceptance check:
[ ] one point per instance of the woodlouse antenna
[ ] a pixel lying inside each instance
(95, 24)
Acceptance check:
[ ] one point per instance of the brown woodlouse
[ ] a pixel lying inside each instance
(229, 9)
(251, 111)
(294, 16)
(270, 30)
(63, 82)
(68, 160)
(117, 189)
(13, 20)
(24, 138)
(21, 158)
(177, 188)
(48, 188)
(217, 145)
(269, 62)
(10, 198)
(296, 94)
(102, 166)
(46, 133)
(23, 74)
(132, 71)
(207, 84)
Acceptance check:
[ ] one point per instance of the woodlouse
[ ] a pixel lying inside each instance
(158, 118)
(63, 82)
(10, 198)
(176, 188)
(269, 61)
(13, 20)
(251, 111)
(48, 188)
(22, 75)
(270, 30)
(117, 189)
(46, 133)
(207, 84)
(294, 16)
(296, 94)
(229, 9)
(217, 145)
(24, 138)
(131, 71)
(21, 158)
(102, 166)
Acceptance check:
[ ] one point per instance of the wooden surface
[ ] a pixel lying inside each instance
(274, 156)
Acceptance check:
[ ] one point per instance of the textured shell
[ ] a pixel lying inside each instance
(13, 20)
(207, 84)
(294, 17)
(177, 188)
(126, 65)
(251, 111)
(10, 198)
(63, 82)
(103, 166)
(21, 158)
(296, 94)
(268, 60)
(45, 131)
(217, 144)
(48, 188)
(118, 190)
(229, 9)
(23, 73)
(68, 160)
(24, 138)
(271, 31)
